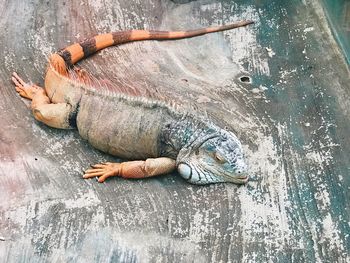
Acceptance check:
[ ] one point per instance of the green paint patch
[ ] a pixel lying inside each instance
(338, 12)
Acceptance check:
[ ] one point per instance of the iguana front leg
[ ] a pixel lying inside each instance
(52, 114)
(133, 169)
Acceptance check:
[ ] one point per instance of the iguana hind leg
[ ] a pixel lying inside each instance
(24, 89)
(54, 115)
(133, 169)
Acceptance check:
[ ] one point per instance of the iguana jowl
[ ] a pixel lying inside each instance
(159, 137)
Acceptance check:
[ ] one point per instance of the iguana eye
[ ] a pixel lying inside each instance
(219, 158)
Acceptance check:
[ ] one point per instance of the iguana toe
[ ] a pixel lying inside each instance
(102, 171)
(24, 89)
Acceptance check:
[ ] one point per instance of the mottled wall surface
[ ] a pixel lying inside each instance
(338, 13)
(293, 120)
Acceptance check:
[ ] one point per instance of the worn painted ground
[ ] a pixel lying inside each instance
(293, 118)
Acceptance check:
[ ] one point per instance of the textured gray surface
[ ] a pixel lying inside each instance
(293, 120)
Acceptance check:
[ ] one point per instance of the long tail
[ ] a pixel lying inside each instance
(74, 53)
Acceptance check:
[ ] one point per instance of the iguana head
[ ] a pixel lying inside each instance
(216, 157)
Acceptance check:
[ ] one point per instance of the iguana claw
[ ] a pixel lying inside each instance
(102, 171)
(24, 89)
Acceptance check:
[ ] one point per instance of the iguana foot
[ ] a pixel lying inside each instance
(102, 171)
(55, 115)
(24, 89)
(133, 169)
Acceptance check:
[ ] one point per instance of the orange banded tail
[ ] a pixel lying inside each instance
(73, 53)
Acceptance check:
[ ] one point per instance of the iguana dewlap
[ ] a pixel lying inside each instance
(160, 137)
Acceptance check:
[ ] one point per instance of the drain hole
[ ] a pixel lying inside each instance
(245, 79)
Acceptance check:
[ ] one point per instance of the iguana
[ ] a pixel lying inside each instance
(159, 137)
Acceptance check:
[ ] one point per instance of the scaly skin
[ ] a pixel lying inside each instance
(204, 152)
(159, 137)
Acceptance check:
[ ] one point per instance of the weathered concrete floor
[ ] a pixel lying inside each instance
(293, 119)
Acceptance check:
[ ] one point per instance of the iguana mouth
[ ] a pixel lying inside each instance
(187, 173)
(243, 179)
(228, 176)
